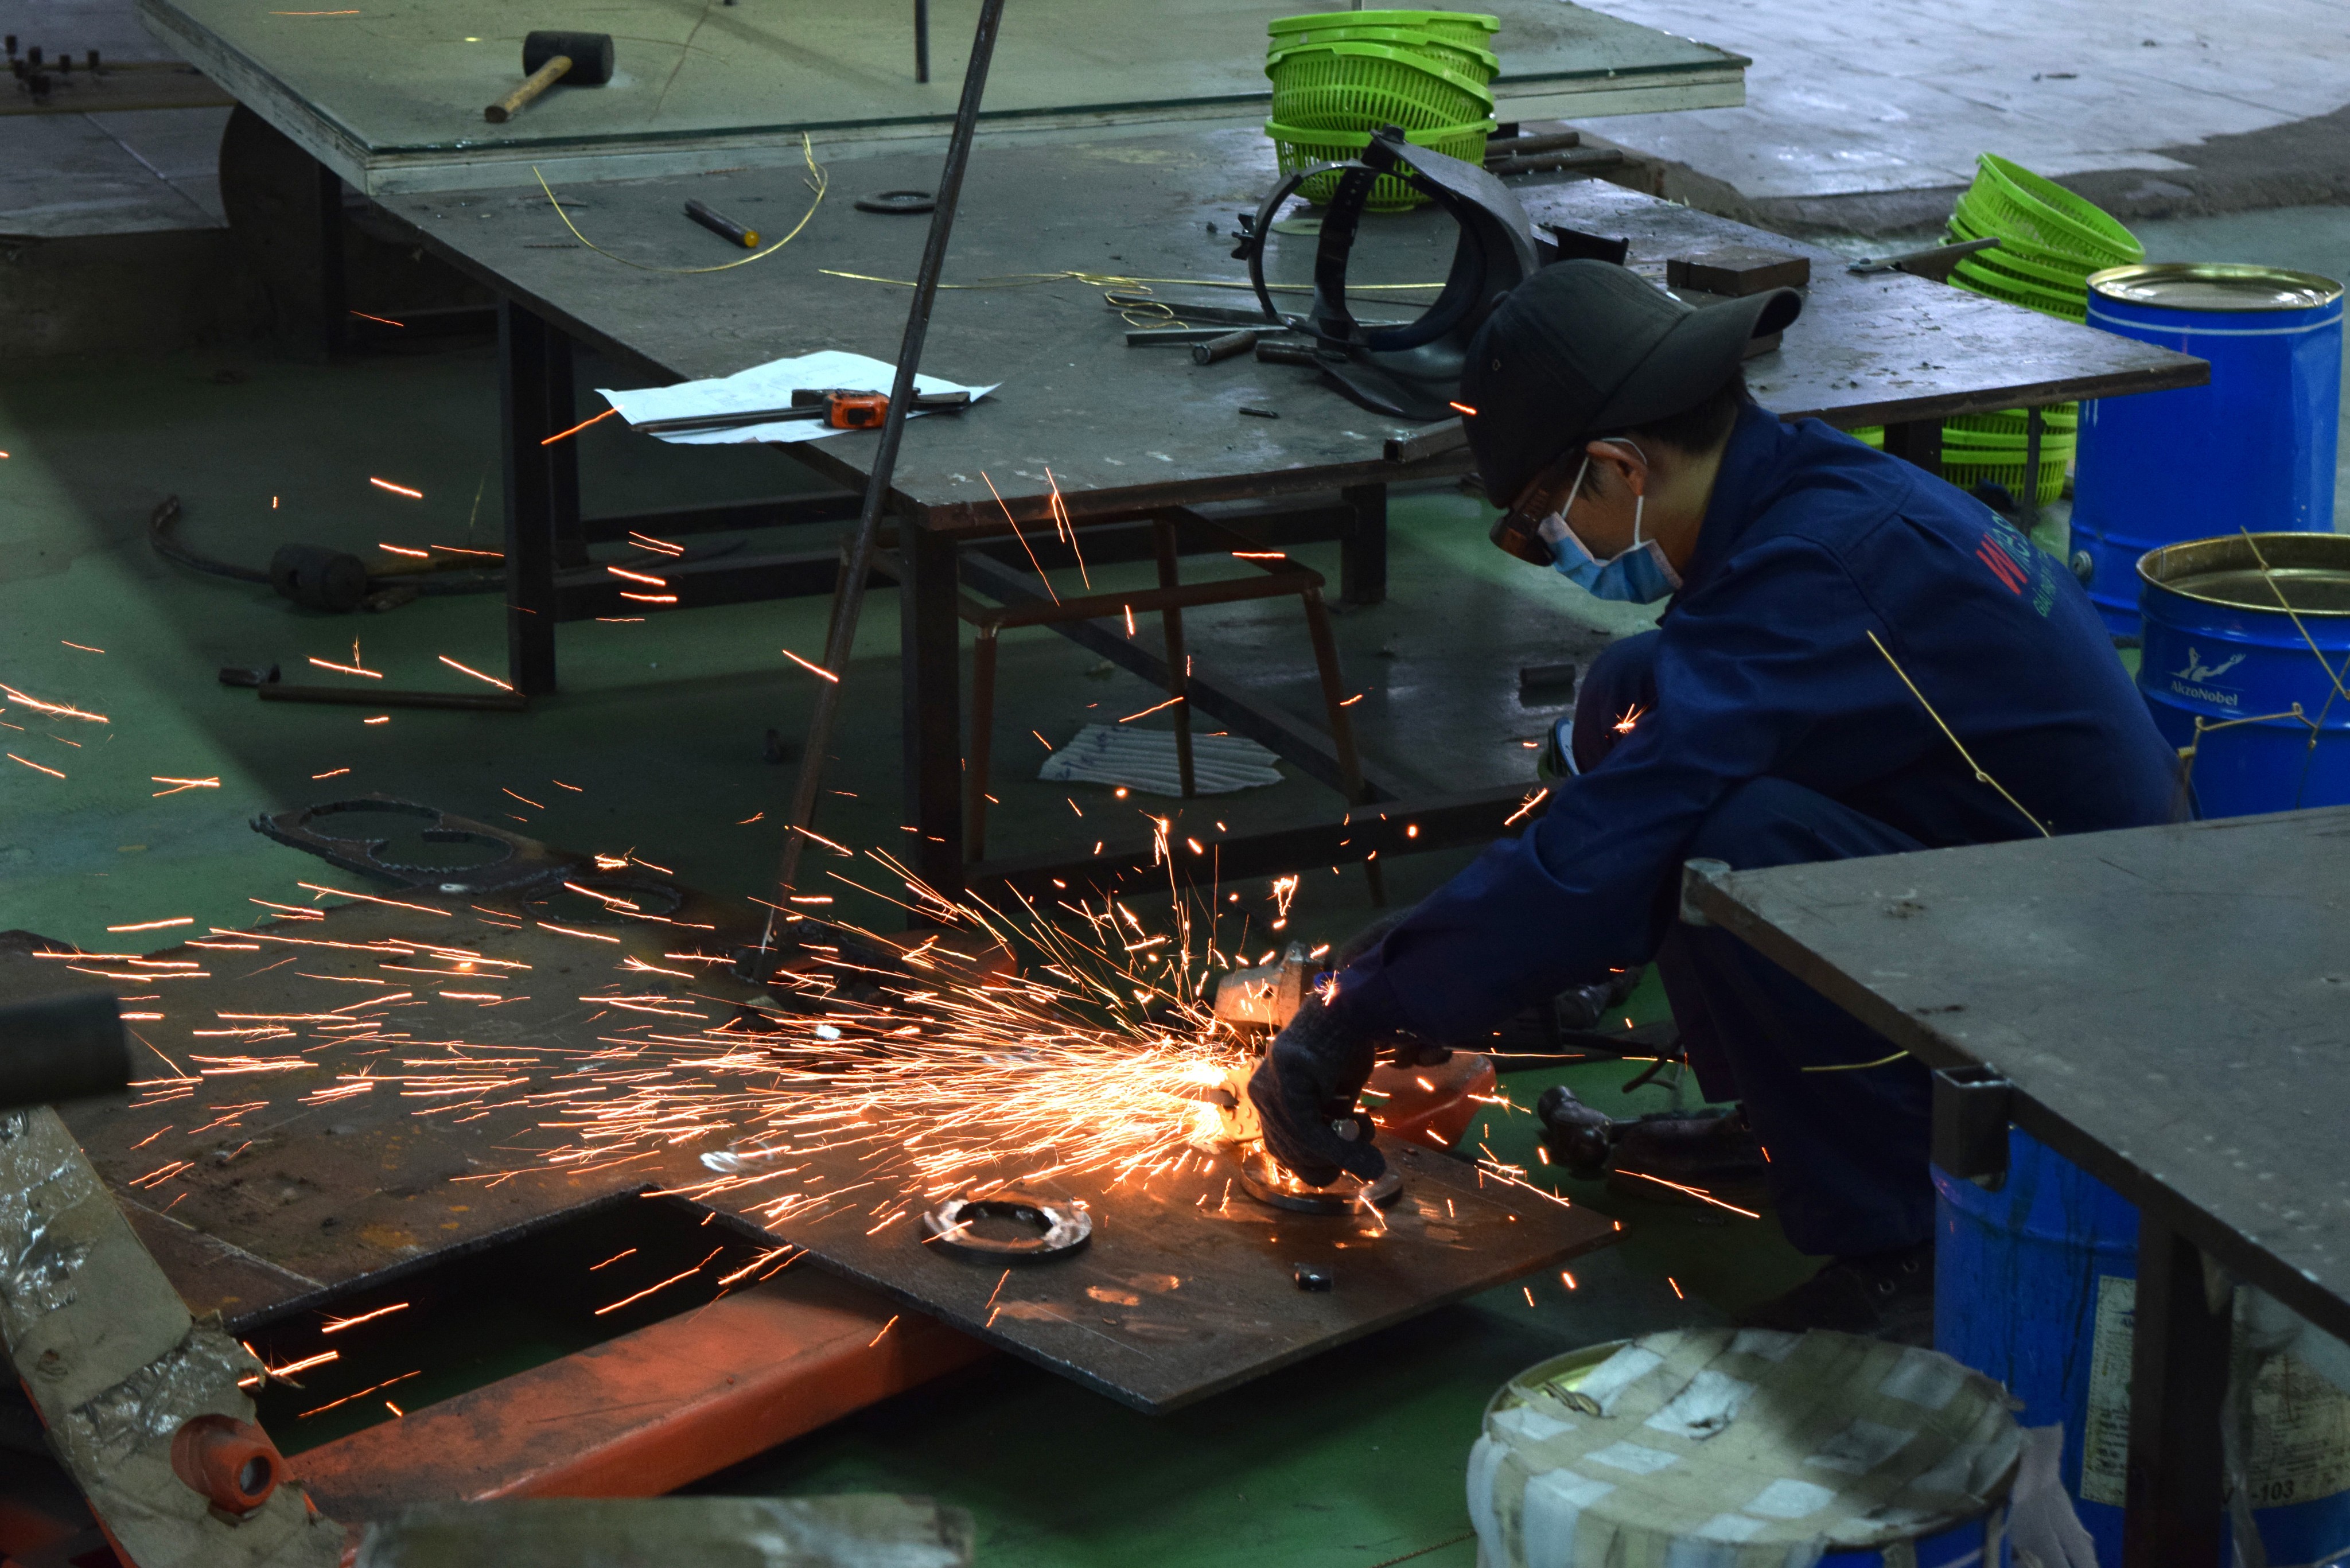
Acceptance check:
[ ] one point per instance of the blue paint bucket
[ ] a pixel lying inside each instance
(2035, 1285)
(2245, 637)
(2255, 449)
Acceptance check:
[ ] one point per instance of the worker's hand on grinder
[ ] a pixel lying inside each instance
(1309, 1079)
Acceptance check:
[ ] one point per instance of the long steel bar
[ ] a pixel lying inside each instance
(848, 596)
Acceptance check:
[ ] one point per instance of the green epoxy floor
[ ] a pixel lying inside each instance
(1353, 1457)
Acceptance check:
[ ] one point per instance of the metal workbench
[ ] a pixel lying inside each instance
(2165, 1006)
(1125, 433)
(392, 100)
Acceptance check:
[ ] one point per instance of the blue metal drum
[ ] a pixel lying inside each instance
(2253, 450)
(2246, 651)
(2036, 1284)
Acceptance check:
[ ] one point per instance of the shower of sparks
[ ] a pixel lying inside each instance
(1631, 717)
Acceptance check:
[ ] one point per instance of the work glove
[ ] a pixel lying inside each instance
(1310, 1078)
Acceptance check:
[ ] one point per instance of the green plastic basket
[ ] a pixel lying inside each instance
(2015, 201)
(1869, 435)
(1359, 87)
(1966, 473)
(2058, 419)
(1302, 147)
(1453, 27)
(2016, 291)
(1469, 59)
(2020, 257)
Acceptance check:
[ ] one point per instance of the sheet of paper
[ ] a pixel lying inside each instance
(769, 386)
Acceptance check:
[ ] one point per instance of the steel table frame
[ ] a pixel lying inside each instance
(1323, 468)
(2015, 987)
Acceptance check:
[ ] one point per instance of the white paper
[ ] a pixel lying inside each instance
(770, 385)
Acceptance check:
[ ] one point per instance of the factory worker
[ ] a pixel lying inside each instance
(1760, 725)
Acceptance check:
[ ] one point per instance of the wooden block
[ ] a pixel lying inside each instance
(1737, 271)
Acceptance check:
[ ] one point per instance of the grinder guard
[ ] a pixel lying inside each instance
(1411, 371)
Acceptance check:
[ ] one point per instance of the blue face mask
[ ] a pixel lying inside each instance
(1640, 576)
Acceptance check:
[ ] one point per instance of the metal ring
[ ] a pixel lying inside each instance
(1263, 1178)
(897, 201)
(1065, 1225)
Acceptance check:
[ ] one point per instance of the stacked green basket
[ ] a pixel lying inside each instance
(2050, 241)
(1338, 76)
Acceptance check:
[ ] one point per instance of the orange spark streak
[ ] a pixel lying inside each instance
(648, 1290)
(1631, 717)
(582, 425)
(804, 664)
(404, 550)
(885, 1328)
(1533, 801)
(35, 766)
(334, 773)
(57, 710)
(467, 670)
(1019, 536)
(1693, 1191)
(649, 598)
(1148, 711)
(371, 898)
(339, 1324)
(397, 488)
(83, 645)
(347, 1399)
(156, 925)
(645, 577)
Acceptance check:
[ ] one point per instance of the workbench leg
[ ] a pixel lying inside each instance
(524, 410)
(1919, 442)
(1178, 663)
(1363, 554)
(982, 740)
(334, 302)
(2178, 1378)
(930, 641)
(563, 457)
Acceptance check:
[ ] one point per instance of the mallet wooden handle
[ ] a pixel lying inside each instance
(537, 82)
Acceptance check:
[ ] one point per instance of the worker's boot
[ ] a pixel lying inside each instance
(1692, 1156)
(1886, 1295)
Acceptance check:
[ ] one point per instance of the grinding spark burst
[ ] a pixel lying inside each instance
(941, 1066)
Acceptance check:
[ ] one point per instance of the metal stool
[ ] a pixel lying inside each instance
(1280, 577)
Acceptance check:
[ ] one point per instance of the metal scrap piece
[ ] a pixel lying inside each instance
(1066, 1226)
(525, 863)
(107, 1350)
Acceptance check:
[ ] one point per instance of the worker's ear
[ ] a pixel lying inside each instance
(1620, 464)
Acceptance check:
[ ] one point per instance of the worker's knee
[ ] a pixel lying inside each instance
(1621, 680)
(1774, 822)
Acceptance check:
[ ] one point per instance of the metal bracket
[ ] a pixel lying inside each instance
(1697, 875)
(1970, 1115)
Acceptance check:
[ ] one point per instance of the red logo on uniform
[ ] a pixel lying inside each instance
(2002, 566)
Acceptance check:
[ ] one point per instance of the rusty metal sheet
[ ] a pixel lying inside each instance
(340, 1096)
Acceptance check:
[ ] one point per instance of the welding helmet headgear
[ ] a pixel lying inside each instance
(1410, 370)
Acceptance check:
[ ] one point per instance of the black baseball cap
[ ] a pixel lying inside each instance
(1584, 347)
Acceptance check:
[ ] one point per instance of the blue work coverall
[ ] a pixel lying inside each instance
(1761, 727)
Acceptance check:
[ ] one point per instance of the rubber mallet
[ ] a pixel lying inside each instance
(583, 60)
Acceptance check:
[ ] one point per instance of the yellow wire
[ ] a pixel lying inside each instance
(1966, 757)
(823, 182)
(1856, 1066)
(1117, 280)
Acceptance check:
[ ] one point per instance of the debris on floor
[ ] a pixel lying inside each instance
(1145, 760)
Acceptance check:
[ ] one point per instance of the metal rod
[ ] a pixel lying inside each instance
(921, 40)
(848, 596)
